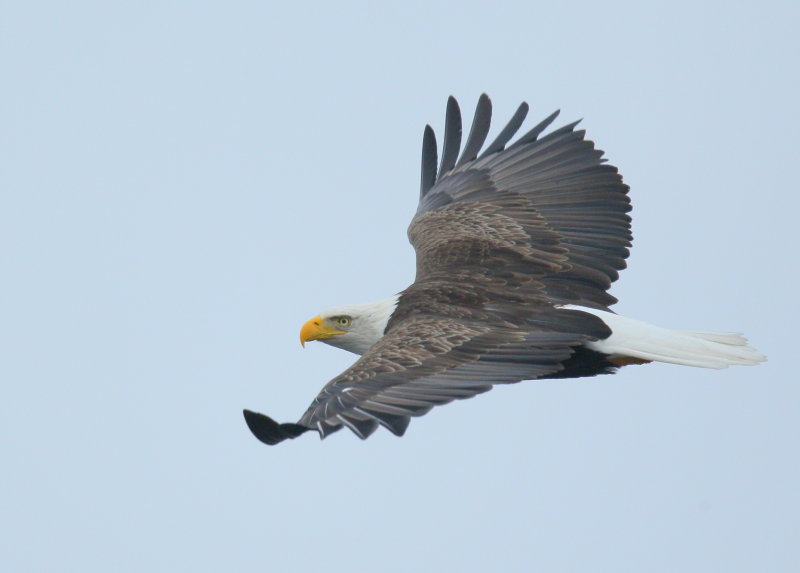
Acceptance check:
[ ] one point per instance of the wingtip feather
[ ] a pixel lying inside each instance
(270, 432)
(452, 136)
(429, 160)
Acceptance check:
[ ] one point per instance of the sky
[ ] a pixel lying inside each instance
(183, 184)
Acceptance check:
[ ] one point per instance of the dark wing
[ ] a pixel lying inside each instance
(426, 361)
(501, 238)
(448, 352)
(556, 189)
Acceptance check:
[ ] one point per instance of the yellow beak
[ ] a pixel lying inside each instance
(317, 329)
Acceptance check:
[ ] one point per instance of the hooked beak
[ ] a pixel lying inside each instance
(317, 329)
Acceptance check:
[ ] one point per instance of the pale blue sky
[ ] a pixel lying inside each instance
(183, 184)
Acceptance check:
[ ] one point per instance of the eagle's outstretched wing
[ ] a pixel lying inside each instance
(555, 194)
(427, 361)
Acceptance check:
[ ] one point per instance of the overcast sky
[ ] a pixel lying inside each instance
(185, 183)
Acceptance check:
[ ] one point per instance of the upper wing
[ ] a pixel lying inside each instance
(552, 201)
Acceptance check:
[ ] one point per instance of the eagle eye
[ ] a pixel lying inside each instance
(343, 321)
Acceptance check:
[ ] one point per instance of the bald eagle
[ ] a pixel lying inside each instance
(516, 248)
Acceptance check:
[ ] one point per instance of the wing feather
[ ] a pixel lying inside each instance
(429, 159)
(452, 136)
(478, 131)
(533, 134)
(361, 425)
(395, 423)
(508, 131)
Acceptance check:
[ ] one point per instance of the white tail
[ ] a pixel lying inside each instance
(637, 339)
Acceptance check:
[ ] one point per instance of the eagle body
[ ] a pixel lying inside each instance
(516, 248)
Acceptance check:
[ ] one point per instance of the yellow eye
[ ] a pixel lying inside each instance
(343, 321)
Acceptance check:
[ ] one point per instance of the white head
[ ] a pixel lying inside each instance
(354, 327)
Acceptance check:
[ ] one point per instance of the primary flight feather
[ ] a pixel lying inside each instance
(516, 249)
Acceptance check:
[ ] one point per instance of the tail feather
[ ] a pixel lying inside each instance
(732, 338)
(634, 338)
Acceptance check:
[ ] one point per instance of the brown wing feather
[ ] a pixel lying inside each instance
(570, 204)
